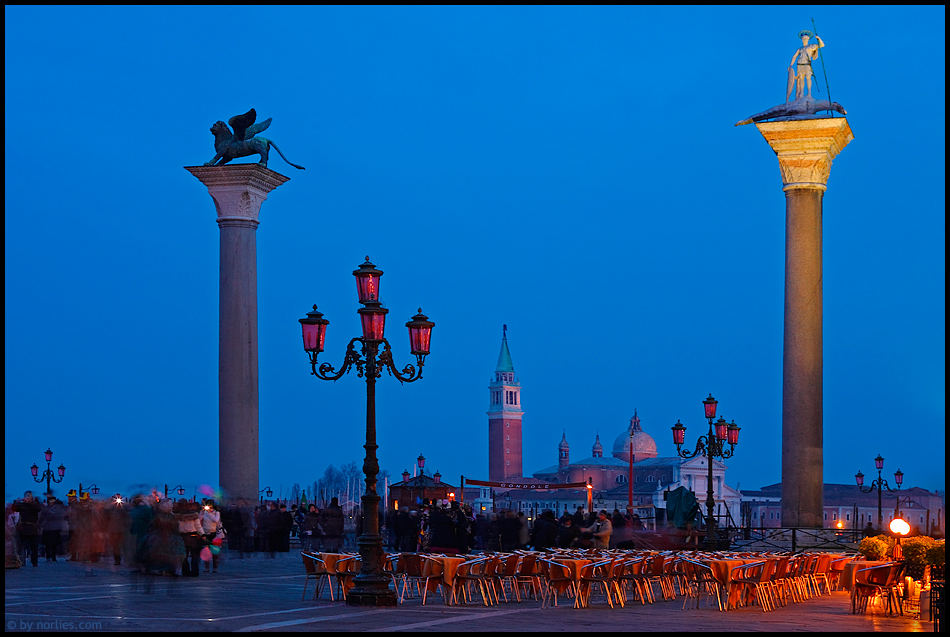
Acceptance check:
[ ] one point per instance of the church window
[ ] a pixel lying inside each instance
(507, 463)
(507, 437)
(638, 478)
(621, 479)
(847, 517)
(507, 450)
(507, 424)
(651, 479)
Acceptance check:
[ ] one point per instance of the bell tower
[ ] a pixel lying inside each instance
(504, 418)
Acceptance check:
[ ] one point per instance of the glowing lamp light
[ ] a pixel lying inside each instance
(35, 470)
(899, 477)
(859, 478)
(840, 524)
(710, 406)
(367, 282)
(732, 435)
(899, 526)
(61, 469)
(314, 331)
(420, 333)
(373, 319)
(721, 428)
(49, 455)
(679, 433)
(421, 462)
(879, 462)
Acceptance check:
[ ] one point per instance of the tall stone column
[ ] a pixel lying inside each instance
(238, 192)
(805, 149)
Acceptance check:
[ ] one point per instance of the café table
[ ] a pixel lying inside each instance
(848, 573)
(722, 571)
(576, 565)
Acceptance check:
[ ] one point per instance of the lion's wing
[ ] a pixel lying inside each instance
(240, 123)
(257, 128)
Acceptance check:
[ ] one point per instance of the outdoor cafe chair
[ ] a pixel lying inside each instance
(346, 568)
(701, 581)
(480, 572)
(655, 573)
(526, 575)
(316, 570)
(636, 573)
(556, 577)
(408, 572)
(882, 582)
(603, 574)
(776, 580)
(507, 571)
(433, 570)
(754, 578)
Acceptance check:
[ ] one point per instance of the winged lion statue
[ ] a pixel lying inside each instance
(242, 142)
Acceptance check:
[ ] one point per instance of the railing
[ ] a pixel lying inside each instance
(795, 539)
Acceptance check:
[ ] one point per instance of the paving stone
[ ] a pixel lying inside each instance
(260, 593)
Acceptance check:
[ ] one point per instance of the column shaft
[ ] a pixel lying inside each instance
(802, 468)
(237, 360)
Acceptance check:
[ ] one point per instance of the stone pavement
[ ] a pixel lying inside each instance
(263, 594)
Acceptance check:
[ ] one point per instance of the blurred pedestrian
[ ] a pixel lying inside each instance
(283, 523)
(118, 524)
(211, 529)
(545, 531)
(52, 523)
(310, 529)
(332, 522)
(28, 526)
(188, 526)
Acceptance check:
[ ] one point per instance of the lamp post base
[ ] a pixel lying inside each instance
(369, 595)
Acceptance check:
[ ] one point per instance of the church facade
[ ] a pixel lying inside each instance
(610, 475)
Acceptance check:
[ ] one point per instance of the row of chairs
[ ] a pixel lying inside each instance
(616, 576)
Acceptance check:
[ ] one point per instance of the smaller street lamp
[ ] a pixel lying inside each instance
(93, 489)
(265, 491)
(180, 489)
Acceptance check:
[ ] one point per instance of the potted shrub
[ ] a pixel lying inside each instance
(873, 548)
(937, 558)
(915, 554)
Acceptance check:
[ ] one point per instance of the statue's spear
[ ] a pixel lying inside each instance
(823, 69)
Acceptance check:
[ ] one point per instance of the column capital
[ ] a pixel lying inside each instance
(238, 191)
(805, 148)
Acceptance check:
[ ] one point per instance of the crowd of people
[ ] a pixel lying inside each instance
(450, 527)
(155, 534)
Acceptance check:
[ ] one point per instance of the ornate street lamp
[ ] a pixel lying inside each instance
(712, 445)
(180, 489)
(371, 585)
(48, 473)
(880, 484)
(421, 463)
(93, 489)
(265, 491)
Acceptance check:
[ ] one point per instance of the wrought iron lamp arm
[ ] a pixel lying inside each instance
(879, 483)
(351, 359)
(410, 373)
(701, 447)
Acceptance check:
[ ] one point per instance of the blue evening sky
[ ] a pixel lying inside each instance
(572, 172)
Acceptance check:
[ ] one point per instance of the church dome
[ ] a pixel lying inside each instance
(643, 444)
